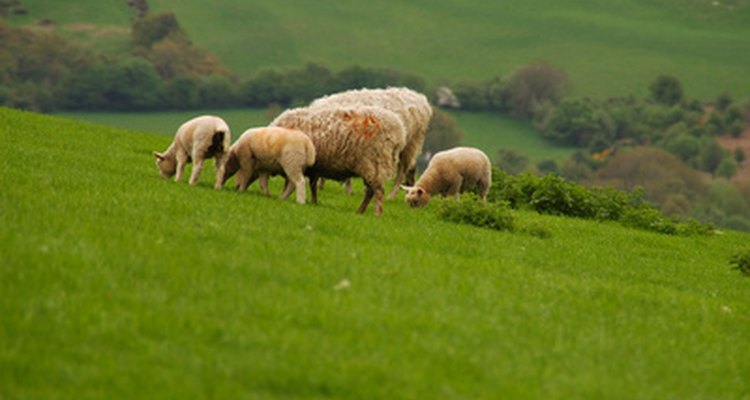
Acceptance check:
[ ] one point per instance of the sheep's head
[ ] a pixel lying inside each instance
(166, 165)
(416, 196)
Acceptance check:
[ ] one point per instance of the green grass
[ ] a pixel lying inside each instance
(117, 283)
(492, 132)
(607, 48)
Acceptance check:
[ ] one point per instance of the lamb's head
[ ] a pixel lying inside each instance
(416, 196)
(167, 165)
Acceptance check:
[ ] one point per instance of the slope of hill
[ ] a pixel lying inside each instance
(609, 48)
(119, 284)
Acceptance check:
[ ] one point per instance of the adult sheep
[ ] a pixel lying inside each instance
(196, 140)
(350, 141)
(260, 152)
(412, 107)
(451, 172)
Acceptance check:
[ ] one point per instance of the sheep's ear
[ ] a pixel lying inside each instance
(406, 188)
(158, 155)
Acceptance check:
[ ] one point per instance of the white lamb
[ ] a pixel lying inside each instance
(350, 141)
(196, 140)
(451, 172)
(261, 152)
(413, 109)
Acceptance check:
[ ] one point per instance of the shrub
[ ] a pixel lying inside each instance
(468, 209)
(666, 89)
(648, 218)
(741, 261)
(532, 84)
(511, 161)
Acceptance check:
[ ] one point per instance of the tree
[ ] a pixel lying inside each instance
(154, 28)
(666, 89)
(659, 173)
(182, 93)
(132, 84)
(575, 122)
(216, 92)
(534, 83)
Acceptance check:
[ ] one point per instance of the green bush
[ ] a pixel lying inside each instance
(741, 261)
(469, 209)
(557, 196)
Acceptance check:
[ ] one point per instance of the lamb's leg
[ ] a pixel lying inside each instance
(348, 186)
(483, 187)
(197, 168)
(295, 176)
(219, 163)
(455, 186)
(263, 182)
(182, 159)
(288, 189)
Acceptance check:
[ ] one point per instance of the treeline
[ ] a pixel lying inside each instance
(41, 71)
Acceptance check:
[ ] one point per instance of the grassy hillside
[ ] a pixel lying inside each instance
(607, 48)
(119, 284)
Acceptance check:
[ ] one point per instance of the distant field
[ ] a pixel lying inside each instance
(487, 131)
(118, 284)
(607, 48)
(167, 122)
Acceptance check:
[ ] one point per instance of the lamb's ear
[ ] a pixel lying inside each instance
(420, 191)
(158, 155)
(406, 188)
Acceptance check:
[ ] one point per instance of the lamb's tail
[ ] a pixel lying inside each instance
(310, 153)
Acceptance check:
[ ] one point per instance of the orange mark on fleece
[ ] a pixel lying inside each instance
(365, 125)
(271, 140)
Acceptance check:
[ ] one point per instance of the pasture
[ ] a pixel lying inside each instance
(120, 284)
(607, 48)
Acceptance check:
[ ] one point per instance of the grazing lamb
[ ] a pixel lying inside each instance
(196, 140)
(413, 109)
(451, 172)
(261, 152)
(350, 141)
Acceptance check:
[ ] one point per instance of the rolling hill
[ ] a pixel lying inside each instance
(120, 284)
(612, 48)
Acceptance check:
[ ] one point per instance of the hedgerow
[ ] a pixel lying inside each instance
(554, 195)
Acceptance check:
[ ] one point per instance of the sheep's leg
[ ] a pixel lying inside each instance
(373, 190)
(197, 168)
(411, 176)
(397, 184)
(245, 179)
(313, 189)
(366, 201)
(348, 186)
(182, 159)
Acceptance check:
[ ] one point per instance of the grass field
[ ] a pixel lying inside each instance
(607, 48)
(119, 284)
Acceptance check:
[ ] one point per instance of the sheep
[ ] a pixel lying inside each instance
(196, 140)
(350, 141)
(260, 152)
(413, 109)
(451, 172)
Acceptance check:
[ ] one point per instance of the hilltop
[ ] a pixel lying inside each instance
(117, 283)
